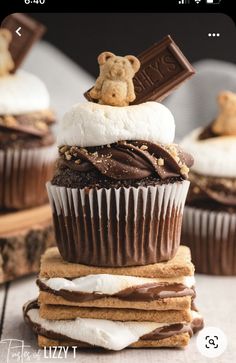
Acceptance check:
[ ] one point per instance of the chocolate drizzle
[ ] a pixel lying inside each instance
(76, 296)
(154, 291)
(168, 331)
(146, 292)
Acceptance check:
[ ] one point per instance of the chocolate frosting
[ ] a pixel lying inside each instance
(158, 334)
(128, 160)
(146, 292)
(207, 132)
(204, 189)
(27, 130)
(217, 190)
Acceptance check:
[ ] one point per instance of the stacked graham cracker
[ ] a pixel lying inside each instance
(114, 308)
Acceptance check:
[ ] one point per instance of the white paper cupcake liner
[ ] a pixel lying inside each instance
(23, 175)
(118, 227)
(211, 237)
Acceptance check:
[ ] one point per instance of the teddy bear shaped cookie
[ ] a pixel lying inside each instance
(225, 123)
(6, 61)
(114, 86)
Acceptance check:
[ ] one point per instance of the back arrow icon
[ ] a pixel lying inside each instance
(18, 31)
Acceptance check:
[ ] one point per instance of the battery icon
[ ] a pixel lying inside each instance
(213, 1)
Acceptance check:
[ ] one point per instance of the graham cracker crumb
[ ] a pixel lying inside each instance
(196, 190)
(184, 170)
(63, 149)
(40, 125)
(84, 150)
(74, 149)
(143, 147)
(160, 162)
(173, 151)
(9, 121)
(68, 156)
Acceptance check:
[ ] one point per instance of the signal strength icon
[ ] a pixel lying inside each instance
(181, 2)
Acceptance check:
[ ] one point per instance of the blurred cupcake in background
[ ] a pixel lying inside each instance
(27, 151)
(209, 224)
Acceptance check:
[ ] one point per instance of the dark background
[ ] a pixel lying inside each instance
(82, 36)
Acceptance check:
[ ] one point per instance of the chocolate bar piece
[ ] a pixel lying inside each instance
(30, 31)
(163, 69)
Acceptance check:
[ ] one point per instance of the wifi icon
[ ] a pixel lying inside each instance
(197, 1)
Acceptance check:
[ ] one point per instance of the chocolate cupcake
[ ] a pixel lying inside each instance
(209, 225)
(120, 186)
(27, 145)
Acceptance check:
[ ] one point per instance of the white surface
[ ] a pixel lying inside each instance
(212, 157)
(109, 284)
(92, 124)
(21, 93)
